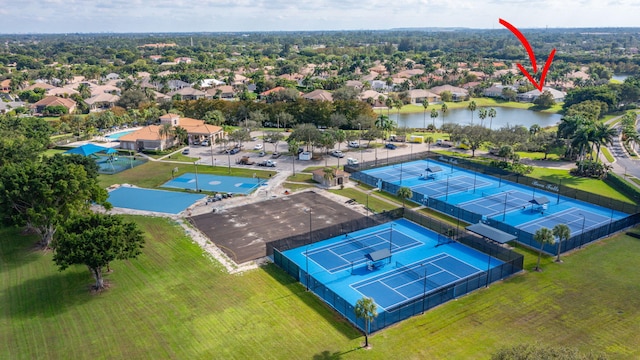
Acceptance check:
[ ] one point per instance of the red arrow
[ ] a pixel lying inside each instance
(532, 57)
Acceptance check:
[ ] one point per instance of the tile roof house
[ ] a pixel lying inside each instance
(531, 96)
(5, 85)
(223, 91)
(39, 85)
(318, 95)
(40, 106)
(102, 101)
(458, 93)
(146, 138)
(374, 96)
(57, 91)
(418, 96)
(188, 93)
(196, 129)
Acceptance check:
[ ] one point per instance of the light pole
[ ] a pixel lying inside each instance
(306, 257)
(211, 144)
(196, 164)
(391, 239)
(369, 193)
(584, 219)
(229, 160)
(424, 286)
(293, 162)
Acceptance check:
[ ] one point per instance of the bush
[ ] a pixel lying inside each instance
(591, 169)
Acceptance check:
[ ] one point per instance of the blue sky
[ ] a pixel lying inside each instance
(61, 16)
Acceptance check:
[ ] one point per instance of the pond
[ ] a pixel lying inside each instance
(503, 117)
(620, 77)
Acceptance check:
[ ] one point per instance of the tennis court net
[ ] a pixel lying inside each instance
(507, 198)
(409, 270)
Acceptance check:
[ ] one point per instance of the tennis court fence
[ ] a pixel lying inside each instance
(512, 264)
(504, 175)
(319, 234)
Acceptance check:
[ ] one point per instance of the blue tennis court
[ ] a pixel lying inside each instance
(448, 186)
(578, 221)
(163, 201)
(409, 282)
(215, 183)
(342, 265)
(351, 251)
(494, 204)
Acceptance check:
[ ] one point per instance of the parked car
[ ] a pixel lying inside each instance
(262, 153)
(352, 161)
(234, 151)
(275, 155)
(185, 152)
(205, 143)
(257, 147)
(337, 153)
(354, 144)
(390, 146)
(268, 163)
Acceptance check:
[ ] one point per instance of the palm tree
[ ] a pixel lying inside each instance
(563, 233)
(182, 135)
(472, 107)
(543, 236)
(165, 131)
(389, 103)
(366, 309)
(434, 115)
(404, 193)
(482, 114)
(398, 103)
(429, 141)
(328, 176)
(425, 105)
(603, 134)
(492, 114)
(385, 124)
(444, 109)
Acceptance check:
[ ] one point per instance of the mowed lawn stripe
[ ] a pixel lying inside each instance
(174, 302)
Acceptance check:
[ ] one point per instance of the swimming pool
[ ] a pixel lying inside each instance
(170, 202)
(117, 136)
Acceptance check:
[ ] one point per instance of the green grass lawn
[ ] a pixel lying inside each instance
(375, 204)
(591, 185)
(153, 173)
(156, 307)
(607, 154)
(534, 155)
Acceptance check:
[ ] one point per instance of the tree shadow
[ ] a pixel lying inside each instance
(311, 300)
(18, 250)
(47, 296)
(336, 355)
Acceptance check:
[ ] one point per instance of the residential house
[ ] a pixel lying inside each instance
(111, 76)
(225, 92)
(495, 90)
(39, 85)
(271, 91)
(418, 96)
(339, 177)
(146, 138)
(188, 93)
(102, 101)
(318, 95)
(458, 93)
(5, 85)
(40, 106)
(358, 85)
(62, 92)
(379, 85)
(531, 96)
(183, 59)
(209, 83)
(374, 96)
(196, 129)
(174, 85)
(155, 58)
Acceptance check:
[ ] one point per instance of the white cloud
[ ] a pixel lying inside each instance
(257, 15)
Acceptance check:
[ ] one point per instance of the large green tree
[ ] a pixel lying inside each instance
(404, 193)
(40, 195)
(95, 241)
(562, 233)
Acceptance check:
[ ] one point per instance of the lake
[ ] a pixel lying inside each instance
(504, 116)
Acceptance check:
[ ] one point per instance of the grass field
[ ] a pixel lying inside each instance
(156, 307)
(480, 102)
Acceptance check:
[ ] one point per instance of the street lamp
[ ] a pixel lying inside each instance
(391, 238)
(369, 193)
(196, 164)
(229, 159)
(360, 141)
(309, 243)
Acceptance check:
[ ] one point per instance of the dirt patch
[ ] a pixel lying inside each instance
(243, 232)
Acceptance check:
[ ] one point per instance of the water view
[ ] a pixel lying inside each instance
(504, 116)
